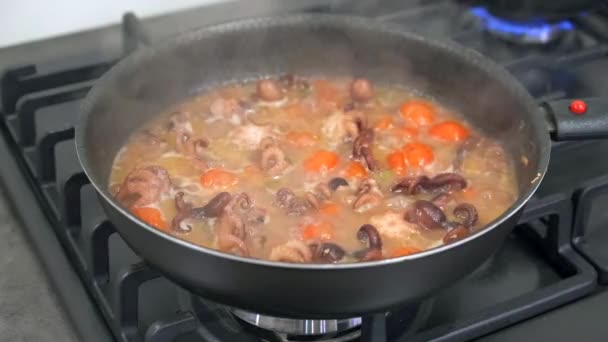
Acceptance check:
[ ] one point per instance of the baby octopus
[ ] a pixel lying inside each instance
(312, 169)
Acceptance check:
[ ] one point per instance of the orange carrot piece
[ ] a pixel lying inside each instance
(321, 231)
(329, 209)
(151, 216)
(355, 170)
(396, 161)
(451, 131)
(469, 193)
(384, 123)
(403, 251)
(418, 112)
(322, 161)
(218, 178)
(418, 154)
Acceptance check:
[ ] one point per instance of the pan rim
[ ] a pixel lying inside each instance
(458, 51)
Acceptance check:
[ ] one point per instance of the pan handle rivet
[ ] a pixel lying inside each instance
(578, 107)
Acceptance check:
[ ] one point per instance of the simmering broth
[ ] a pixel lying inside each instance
(319, 170)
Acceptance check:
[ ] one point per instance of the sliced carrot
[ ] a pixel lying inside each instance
(469, 193)
(405, 132)
(213, 178)
(418, 112)
(321, 231)
(329, 209)
(355, 170)
(418, 154)
(384, 123)
(403, 251)
(449, 131)
(396, 161)
(301, 139)
(322, 161)
(151, 216)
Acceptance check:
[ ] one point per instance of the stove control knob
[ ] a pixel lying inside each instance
(578, 107)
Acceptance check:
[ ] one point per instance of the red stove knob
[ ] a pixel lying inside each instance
(578, 107)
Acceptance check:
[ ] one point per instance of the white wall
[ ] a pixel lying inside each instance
(27, 20)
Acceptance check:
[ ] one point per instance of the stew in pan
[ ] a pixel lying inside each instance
(320, 170)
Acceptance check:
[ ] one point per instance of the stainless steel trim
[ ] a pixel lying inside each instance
(297, 326)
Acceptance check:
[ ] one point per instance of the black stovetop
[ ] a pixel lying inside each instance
(553, 257)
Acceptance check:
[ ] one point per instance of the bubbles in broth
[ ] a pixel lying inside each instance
(313, 170)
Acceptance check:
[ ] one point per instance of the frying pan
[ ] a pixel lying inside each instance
(154, 78)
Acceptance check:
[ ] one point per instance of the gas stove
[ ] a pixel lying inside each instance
(554, 258)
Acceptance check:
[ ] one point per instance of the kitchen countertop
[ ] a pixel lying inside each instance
(29, 308)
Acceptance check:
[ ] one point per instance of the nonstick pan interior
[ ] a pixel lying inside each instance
(152, 79)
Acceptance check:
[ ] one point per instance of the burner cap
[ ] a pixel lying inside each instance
(300, 327)
(533, 31)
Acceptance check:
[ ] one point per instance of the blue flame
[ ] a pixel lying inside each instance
(539, 29)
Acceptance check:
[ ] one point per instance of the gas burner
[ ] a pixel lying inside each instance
(549, 10)
(532, 31)
(402, 323)
(299, 327)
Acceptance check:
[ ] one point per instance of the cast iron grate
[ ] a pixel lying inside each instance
(138, 304)
(590, 233)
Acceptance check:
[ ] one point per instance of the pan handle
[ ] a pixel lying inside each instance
(133, 33)
(577, 119)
